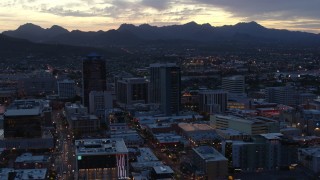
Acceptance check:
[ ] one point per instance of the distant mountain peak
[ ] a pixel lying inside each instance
(58, 29)
(252, 24)
(145, 26)
(126, 26)
(192, 23)
(29, 26)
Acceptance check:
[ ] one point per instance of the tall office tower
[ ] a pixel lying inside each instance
(132, 90)
(213, 101)
(234, 85)
(93, 76)
(66, 89)
(286, 95)
(165, 80)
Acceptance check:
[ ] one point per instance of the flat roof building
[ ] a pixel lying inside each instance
(208, 160)
(102, 158)
(251, 126)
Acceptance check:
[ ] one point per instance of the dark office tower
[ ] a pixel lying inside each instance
(165, 80)
(93, 76)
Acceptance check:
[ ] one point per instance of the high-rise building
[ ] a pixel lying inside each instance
(235, 85)
(213, 101)
(102, 159)
(93, 76)
(165, 82)
(132, 90)
(66, 89)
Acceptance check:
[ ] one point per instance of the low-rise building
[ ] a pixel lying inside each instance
(251, 126)
(29, 161)
(310, 158)
(102, 159)
(208, 160)
(24, 174)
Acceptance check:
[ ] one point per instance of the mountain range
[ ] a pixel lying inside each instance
(192, 33)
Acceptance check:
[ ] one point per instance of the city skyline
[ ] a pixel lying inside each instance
(94, 15)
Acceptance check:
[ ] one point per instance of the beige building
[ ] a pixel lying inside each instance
(210, 162)
(251, 126)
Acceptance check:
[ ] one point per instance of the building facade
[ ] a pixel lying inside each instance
(213, 101)
(234, 85)
(132, 90)
(102, 159)
(165, 87)
(66, 89)
(93, 76)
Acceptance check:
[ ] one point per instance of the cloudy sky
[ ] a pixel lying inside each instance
(92, 15)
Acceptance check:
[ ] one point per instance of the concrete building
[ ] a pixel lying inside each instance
(247, 156)
(213, 101)
(24, 174)
(234, 85)
(23, 118)
(251, 126)
(310, 122)
(80, 121)
(130, 137)
(66, 89)
(198, 133)
(305, 98)
(132, 90)
(272, 143)
(286, 95)
(29, 161)
(39, 83)
(310, 158)
(231, 134)
(93, 76)
(210, 162)
(165, 87)
(24, 122)
(99, 101)
(162, 172)
(101, 159)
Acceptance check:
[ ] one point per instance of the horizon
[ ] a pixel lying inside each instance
(137, 25)
(94, 15)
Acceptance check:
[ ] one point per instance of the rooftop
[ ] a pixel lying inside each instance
(194, 127)
(163, 169)
(24, 174)
(312, 151)
(74, 105)
(145, 165)
(271, 136)
(146, 155)
(209, 153)
(28, 107)
(29, 158)
(100, 146)
(230, 132)
(168, 138)
(163, 65)
(79, 117)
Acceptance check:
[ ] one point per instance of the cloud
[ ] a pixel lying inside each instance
(156, 4)
(261, 9)
(60, 11)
